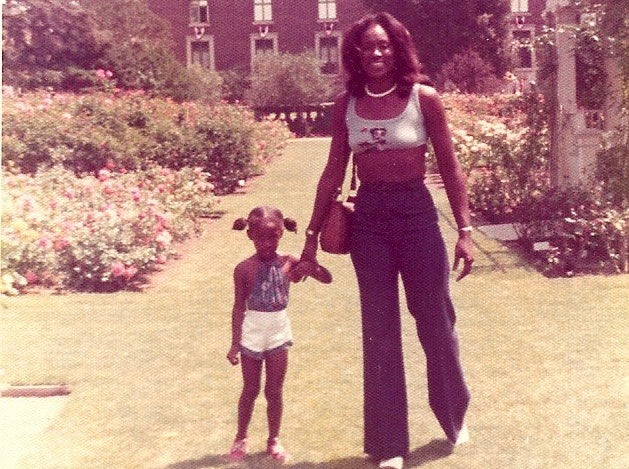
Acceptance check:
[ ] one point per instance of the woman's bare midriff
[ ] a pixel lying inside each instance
(391, 165)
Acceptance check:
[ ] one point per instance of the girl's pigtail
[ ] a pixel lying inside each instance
(290, 225)
(240, 224)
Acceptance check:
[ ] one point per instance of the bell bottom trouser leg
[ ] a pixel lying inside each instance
(420, 258)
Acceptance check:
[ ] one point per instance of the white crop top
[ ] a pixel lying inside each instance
(406, 130)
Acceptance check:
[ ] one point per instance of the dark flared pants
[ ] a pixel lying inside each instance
(395, 234)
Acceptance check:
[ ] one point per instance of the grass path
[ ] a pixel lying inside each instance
(546, 360)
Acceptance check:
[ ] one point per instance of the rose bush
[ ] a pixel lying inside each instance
(96, 232)
(84, 133)
(97, 187)
(503, 143)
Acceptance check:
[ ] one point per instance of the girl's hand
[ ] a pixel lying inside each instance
(301, 271)
(464, 250)
(233, 354)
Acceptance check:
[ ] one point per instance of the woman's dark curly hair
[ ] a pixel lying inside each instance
(407, 65)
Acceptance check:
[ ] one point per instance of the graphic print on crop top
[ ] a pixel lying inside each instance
(270, 290)
(406, 130)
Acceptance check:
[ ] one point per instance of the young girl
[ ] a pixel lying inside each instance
(261, 329)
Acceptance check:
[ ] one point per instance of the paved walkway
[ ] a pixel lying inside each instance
(22, 421)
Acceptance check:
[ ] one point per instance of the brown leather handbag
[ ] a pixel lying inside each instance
(336, 229)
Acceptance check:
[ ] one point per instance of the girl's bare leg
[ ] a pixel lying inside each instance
(251, 376)
(276, 366)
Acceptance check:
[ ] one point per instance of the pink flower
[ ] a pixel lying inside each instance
(104, 174)
(135, 193)
(45, 242)
(108, 187)
(61, 244)
(131, 271)
(118, 269)
(163, 238)
(28, 202)
(31, 277)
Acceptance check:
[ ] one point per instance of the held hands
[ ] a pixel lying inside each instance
(464, 249)
(307, 268)
(233, 354)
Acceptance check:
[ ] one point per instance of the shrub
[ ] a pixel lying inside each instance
(287, 80)
(585, 231)
(505, 149)
(470, 73)
(612, 163)
(236, 82)
(133, 132)
(100, 232)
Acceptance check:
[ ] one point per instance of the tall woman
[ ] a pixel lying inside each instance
(386, 118)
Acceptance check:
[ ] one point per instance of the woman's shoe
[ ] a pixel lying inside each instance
(238, 451)
(463, 436)
(276, 451)
(392, 463)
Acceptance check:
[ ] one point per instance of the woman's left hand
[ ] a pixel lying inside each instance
(464, 250)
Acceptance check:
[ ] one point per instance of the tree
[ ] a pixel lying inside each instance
(287, 80)
(43, 39)
(60, 44)
(470, 73)
(443, 28)
(139, 48)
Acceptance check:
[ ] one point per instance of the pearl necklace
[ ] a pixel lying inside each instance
(380, 95)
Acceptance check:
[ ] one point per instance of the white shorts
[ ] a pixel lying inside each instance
(264, 332)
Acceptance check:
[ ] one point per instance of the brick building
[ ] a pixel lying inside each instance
(224, 34)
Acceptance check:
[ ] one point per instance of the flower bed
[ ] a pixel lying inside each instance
(96, 233)
(85, 133)
(505, 149)
(97, 188)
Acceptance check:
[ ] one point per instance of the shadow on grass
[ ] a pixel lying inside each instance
(436, 449)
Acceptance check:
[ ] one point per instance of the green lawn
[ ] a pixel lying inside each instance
(546, 360)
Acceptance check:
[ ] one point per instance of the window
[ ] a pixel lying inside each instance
(523, 49)
(262, 11)
(200, 52)
(198, 12)
(327, 10)
(264, 46)
(519, 6)
(328, 52)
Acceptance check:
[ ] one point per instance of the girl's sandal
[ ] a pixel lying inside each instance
(238, 451)
(276, 451)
